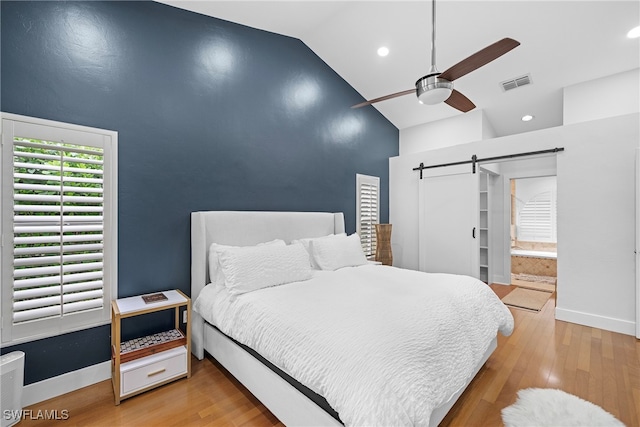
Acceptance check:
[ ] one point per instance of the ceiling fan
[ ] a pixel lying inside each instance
(437, 87)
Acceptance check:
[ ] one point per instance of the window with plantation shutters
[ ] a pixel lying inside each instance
(367, 211)
(535, 205)
(58, 227)
(536, 221)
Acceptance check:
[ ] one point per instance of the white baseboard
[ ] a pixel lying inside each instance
(500, 283)
(601, 322)
(500, 279)
(65, 383)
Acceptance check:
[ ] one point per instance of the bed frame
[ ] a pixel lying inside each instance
(244, 228)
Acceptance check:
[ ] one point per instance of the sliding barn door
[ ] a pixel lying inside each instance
(448, 225)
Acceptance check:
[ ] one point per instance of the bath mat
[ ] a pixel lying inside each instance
(541, 407)
(531, 281)
(528, 299)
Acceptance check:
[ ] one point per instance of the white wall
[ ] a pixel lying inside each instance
(595, 212)
(488, 131)
(472, 126)
(607, 97)
(596, 194)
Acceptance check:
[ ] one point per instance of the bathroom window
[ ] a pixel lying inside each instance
(535, 202)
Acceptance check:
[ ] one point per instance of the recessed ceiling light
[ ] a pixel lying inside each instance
(527, 118)
(383, 51)
(634, 33)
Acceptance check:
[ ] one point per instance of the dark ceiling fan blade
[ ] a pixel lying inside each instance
(384, 98)
(459, 102)
(480, 58)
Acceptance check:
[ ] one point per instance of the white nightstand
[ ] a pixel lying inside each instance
(143, 363)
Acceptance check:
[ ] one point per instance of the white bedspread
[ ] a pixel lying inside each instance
(384, 346)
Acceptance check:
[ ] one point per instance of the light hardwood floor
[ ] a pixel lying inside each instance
(600, 366)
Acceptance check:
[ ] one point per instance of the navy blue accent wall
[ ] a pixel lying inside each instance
(210, 115)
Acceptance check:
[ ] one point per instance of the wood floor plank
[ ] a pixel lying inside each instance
(596, 377)
(609, 386)
(584, 354)
(635, 397)
(607, 345)
(600, 366)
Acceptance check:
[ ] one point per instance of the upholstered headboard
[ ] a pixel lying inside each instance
(245, 228)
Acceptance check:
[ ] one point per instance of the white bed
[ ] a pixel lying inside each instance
(286, 402)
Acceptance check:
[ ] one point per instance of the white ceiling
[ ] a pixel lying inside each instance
(562, 43)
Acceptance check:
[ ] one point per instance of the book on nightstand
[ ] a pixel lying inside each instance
(148, 299)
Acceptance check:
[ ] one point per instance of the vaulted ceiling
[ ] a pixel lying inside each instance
(562, 43)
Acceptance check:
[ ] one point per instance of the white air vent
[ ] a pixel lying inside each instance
(517, 82)
(11, 381)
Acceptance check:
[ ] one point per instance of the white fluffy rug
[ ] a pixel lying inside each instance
(554, 408)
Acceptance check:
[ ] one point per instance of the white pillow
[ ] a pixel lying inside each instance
(332, 254)
(251, 268)
(215, 274)
(307, 245)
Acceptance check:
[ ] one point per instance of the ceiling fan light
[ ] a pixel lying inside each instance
(431, 90)
(435, 96)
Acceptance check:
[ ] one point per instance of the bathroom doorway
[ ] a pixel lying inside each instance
(533, 232)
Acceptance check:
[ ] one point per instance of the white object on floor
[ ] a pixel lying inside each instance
(11, 383)
(541, 407)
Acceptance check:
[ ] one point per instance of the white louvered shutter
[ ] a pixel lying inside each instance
(58, 237)
(367, 211)
(537, 219)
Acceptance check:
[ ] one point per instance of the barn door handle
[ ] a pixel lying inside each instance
(473, 232)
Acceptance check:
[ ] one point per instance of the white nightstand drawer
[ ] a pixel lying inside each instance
(150, 370)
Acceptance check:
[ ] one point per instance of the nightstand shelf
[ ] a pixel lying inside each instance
(147, 362)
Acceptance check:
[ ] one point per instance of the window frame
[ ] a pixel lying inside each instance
(13, 125)
(367, 238)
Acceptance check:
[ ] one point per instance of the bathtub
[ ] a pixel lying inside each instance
(537, 263)
(534, 254)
